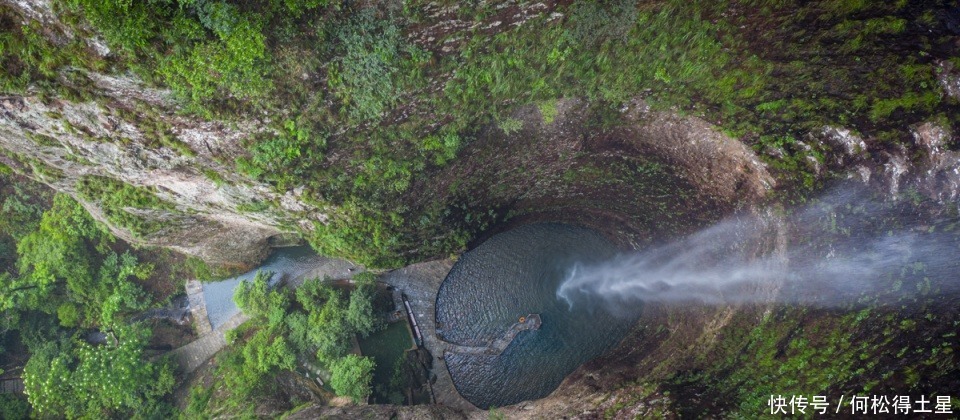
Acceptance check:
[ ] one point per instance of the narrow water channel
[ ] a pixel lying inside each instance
(284, 263)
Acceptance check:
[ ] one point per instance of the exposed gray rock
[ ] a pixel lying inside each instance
(894, 169)
(941, 167)
(842, 140)
(935, 174)
(949, 78)
(73, 140)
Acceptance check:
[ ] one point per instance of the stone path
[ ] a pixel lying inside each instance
(420, 283)
(11, 386)
(197, 352)
(198, 307)
(495, 347)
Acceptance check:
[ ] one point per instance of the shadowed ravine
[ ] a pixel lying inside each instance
(845, 248)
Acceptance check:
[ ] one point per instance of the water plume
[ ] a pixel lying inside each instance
(844, 248)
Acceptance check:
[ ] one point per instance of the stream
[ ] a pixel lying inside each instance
(285, 263)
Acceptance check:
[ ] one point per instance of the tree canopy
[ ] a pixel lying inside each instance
(351, 377)
(66, 267)
(65, 278)
(77, 379)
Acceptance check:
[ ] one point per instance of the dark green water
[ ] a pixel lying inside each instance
(510, 275)
(386, 347)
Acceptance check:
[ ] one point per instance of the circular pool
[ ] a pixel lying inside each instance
(511, 275)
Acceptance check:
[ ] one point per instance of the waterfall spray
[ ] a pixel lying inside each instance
(842, 249)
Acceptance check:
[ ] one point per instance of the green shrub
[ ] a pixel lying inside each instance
(443, 146)
(286, 158)
(351, 376)
(27, 56)
(68, 315)
(259, 300)
(360, 314)
(360, 235)
(14, 406)
(548, 110)
(21, 210)
(236, 64)
(367, 75)
(76, 379)
(510, 125)
(65, 267)
(201, 49)
(119, 200)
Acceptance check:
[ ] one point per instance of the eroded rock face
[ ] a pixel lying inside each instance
(62, 142)
(931, 168)
(117, 136)
(133, 133)
(130, 132)
(651, 175)
(949, 78)
(719, 166)
(940, 176)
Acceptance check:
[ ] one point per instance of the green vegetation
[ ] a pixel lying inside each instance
(351, 375)
(121, 201)
(200, 270)
(361, 113)
(66, 267)
(78, 380)
(382, 117)
(548, 110)
(200, 49)
(27, 56)
(811, 352)
(311, 326)
(883, 344)
(389, 351)
(363, 108)
(12, 407)
(359, 312)
(284, 159)
(66, 277)
(368, 77)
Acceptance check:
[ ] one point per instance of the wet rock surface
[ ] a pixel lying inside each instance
(931, 169)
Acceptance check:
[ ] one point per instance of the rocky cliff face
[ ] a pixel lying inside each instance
(102, 131)
(135, 139)
(62, 142)
(643, 174)
(123, 130)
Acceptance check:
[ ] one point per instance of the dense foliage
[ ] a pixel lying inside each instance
(367, 104)
(65, 279)
(66, 267)
(351, 377)
(76, 379)
(366, 101)
(313, 325)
